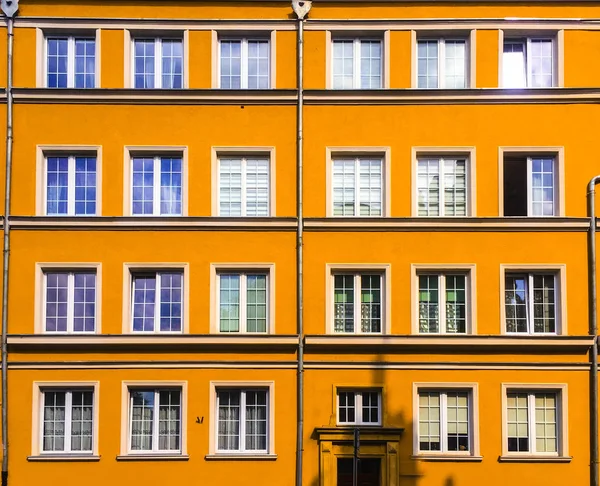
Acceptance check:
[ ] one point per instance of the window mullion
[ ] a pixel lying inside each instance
(358, 404)
(244, 186)
(242, 420)
(527, 59)
(158, 63)
(357, 187)
(357, 304)
(130, 421)
(529, 186)
(71, 186)
(155, 447)
(156, 181)
(441, 201)
(244, 64)
(531, 422)
(243, 302)
(68, 418)
(529, 294)
(442, 303)
(71, 62)
(70, 302)
(443, 422)
(441, 63)
(157, 286)
(356, 64)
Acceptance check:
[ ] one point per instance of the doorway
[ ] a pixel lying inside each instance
(369, 471)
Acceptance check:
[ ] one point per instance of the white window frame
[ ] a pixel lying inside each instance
(441, 41)
(358, 396)
(357, 159)
(244, 58)
(525, 41)
(70, 58)
(155, 420)
(156, 184)
(71, 186)
(138, 272)
(356, 59)
(70, 299)
(158, 74)
(555, 186)
(242, 435)
(68, 418)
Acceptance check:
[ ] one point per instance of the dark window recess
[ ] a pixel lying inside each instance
(515, 186)
(518, 444)
(369, 471)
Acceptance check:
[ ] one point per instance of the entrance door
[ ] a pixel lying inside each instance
(369, 471)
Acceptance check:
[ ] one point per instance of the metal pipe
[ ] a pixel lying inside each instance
(593, 330)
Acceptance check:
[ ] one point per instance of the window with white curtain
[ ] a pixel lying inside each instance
(156, 185)
(243, 420)
(531, 302)
(70, 62)
(358, 407)
(157, 301)
(529, 62)
(154, 420)
(357, 302)
(244, 63)
(67, 421)
(244, 186)
(70, 186)
(442, 186)
(158, 63)
(69, 301)
(357, 186)
(442, 63)
(243, 301)
(357, 63)
(443, 302)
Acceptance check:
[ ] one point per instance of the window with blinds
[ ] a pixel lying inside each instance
(357, 186)
(442, 186)
(244, 186)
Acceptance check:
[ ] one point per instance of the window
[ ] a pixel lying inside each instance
(70, 62)
(443, 303)
(529, 63)
(530, 186)
(158, 63)
(358, 407)
(442, 63)
(358, 186)
(445, 421)
(157, 301)
(69, 301)
(244, 186)
(357, 302)
(531, 303)
(67, 421)
(244, 63)
(357, 63)
(155, 420)
(157, 185)
(243, 301)
(442, 186)
(532, 420)
(242, 420)
(70, 185)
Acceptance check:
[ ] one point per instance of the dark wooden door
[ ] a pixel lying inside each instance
(369, 471)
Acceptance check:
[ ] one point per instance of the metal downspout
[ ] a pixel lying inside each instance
(593, 330)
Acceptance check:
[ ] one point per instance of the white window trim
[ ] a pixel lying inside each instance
(243, 39)
(441, 42)
(384, 153)
(158, 40)
(473, 390)
(358, 395)
(129, 270)
(269, 386)
(126, 386)
(37, 436)
(386, 292)
(41, 268)
(562, 414)
(42, 47)
(242, 152)
(466, 153)
(560, 291)
(218, 268)
(356, 55)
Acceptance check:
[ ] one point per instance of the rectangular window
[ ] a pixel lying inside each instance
(358, 407)
(445, 421)
(358, 186)
(156, 185)
(158, 63)
(242, 420)
(157, 301)
(70, 62)
(442, 186)
(531, 303)
(532, 422)
(443, 303)
(529, 63)
(357, 302)
(245, 63)
(357, 63)
(530, 186)
(243, 301)
(67, 421)
(70, 185)
(244, 186)
(69, 301)
(442, 63)
(154, 420)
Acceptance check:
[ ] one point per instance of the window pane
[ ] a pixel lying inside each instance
(169, 420)
(170, 186)
(57, 184)
(143, 186)
(542, 186)
(228, 425)
(258, 64)
(343, 64)
(85, 63)
(544, 304)
(54, 421)
(542, 64)
(456, 305)
(546, 439)
(57, 301)
(256, 303)
(229, 303)
(257, 187)
(144, 299)
(85, 186)
(457, 413)
(427, 64)
(171, 301)
(144, 63)
(517, 422)
(429, 421)
(370, 303)
(347, 407)
(142, 419)
(370, 407)
(231, 64)
(256, 421)
(513, 65)
(429, 303)
(84, 292)
(455, 64)
(370, 64)
(371, 187)
(57, 62)
(344, 185)
(230, 187)
(343, 302)
(428, 187)
(455, 187)
(82, 414)
(516, 296)
(172, 64)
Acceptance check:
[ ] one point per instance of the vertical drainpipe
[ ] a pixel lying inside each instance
(301, 9)
(593, 330)
(9, 7)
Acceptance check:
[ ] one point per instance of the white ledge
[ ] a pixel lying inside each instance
(153, 457)
(447, 458)
(240, 457)
(64, 458)
(528, 458)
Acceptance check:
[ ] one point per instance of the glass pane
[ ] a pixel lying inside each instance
(144, 302)
(429, 304)
(57, 183)
(429, 421)
(57, 301)
(542, 186)
(517, 422)
(143, 186)
(458, 421)
(256, 421)
(455, 66)
(513, 65)
(343, 64)
(54, 421)
(170, 186)
(231, 64)
(344, 187)
(169, 420)
(456, 304)
(82, 420)
(343, 303)
(370, 303)
(370, 64)
(544, 304)
(85, 186)
(516, 298)
(256, 303)
(228, 424)
(172, 64)
(427, 64)
(230, 187)
(428, 187)
(142, 419)
(57, 62)
(171, 301)
(258, 64)
(85, 63)
(257, 187)
(229, 302)
(455, 187)
(542, 63)
(370, 187)
(84, 292)
(144, 63)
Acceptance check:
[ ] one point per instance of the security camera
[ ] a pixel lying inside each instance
(301, 7)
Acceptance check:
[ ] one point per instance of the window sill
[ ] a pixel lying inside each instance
(63, 458)
(447, 458)
(240, 457)
(153, 457)
(526, 458)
